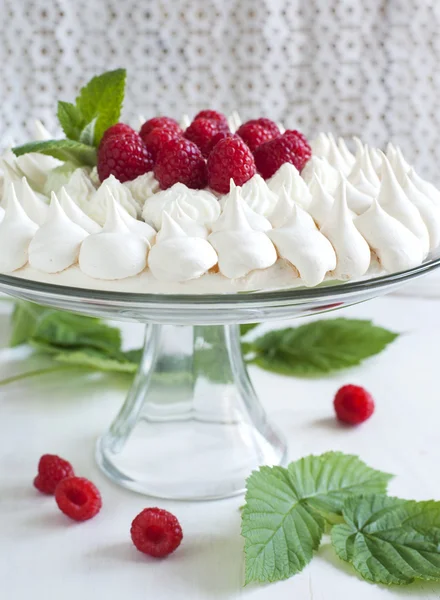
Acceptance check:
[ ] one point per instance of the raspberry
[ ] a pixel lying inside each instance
(158, 137)
(180, 161)
(272, 154)
(167, 122)
(118, 129)
(230, 158)
(202, 131)
(212, 115)
(353, 404)
(51, 470)
(156, 532)
(221, 135)
(78, 498)
(267, 124)
(254, 135)
(124, 156)
(300, 136)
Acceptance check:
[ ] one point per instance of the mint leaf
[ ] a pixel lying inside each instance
(71, 120)
(102, 98)
(87, 135)
(95, 359)
(66, 150)
(320, 347)
(286, 510)
(379, 538)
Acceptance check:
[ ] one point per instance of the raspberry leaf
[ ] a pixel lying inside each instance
(102, 99)
(97, 360)
(389, 540)
(66, 150)
(320, 347)
(71, 120)
(286, 510)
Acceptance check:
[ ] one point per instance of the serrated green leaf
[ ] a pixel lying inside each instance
(286, 510)
(102, 98)
(320, 347)
(382, 543)
(89, 357)
(71, 120)
(66, 150)
(87, 135)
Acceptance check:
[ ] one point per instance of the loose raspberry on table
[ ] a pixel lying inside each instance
(230, 158)
(300, 136)
(118, 129)
(51, 470)
(213, 115)
(353, 404)
(124, 156)
(180, 160)
(271, 155)
(202, 132)
(267, 124)
(156, 532)
(158, 137)
(78, 498)
(167, 122)
(254, 135)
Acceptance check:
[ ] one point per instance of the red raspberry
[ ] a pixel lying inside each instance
(158, 137)
(272, 154)
(167, 122)
(213, 115)
(300, 136)
(221, 135)
(118, 129)
(254, 135)
(202, 132)
(180, 161)
(124, 156)
(267, 124)
(353, 404)
(78, 498)
(230, 158)
(51, 470)
(156, 532)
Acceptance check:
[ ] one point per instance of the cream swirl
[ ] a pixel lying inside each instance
(240, 248)
(300, 243)
(256, 219)
(320, 145)
(322, 202)
(288, 177)
(97, 207)
(75, 214)
(234, 121)
(335, 157)
(394, 201)
(328, 175)
(429, 211)
(16, 233)
(352, 251)
(357, 201)
(205, 207)
(139, 228)
(258, 196)
(177, 256)
(115, 252)
(56, 244)
(80, 188)
(425, 187)
(35, 208)
(180, 215)
(348, 156)
(283, 209)
(396, 247)
(143, 187)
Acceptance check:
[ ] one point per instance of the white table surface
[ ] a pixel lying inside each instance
(44, 556)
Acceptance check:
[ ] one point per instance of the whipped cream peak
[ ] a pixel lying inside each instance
(80, 188)
(321, 203)
(143, 187)
(425, 187)
(233, 217)
(114, 222)
(181, 212)
(395, 246)
(301, 244)
(256, 220)
(327, 174)
(352, 251)
(234, 121)
(41, 134)
(16, 233)
(336, 159)
(429, 211)
(368, 169)
(357, 201)
(35, 208)
(348, 156)
(76, 214)
(185, 122)
(399, 166)
(258, 195)
(170, 229)
(375, 157)
(97, 206)
(56, 244)
(282, 210)
(320, 145)
(289, 177)
(394, 201)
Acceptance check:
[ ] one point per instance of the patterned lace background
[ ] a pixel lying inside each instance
(364, 67)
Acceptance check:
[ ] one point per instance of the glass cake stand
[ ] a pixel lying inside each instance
(192, 426)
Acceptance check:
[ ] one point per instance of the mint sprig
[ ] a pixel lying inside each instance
(66, 150)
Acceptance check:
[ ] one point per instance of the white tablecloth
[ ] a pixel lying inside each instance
(44, 556)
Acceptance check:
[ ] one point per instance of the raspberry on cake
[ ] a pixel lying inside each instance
(213, 115)
(167, 122)
(254, 135)
(271, 155)
(156, 139)
(202, 132)
(125, 156)
(267, 124)
(230, 159)
(180, 161)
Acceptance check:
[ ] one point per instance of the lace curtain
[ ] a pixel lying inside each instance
(354, 67)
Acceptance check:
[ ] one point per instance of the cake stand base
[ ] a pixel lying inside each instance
(192, 427)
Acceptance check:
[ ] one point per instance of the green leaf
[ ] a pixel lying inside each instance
(71, 120)
(246, 327)
(87, 135)
(382, 542)
(286, 510)
(102, 98)
(320, 347)
(24, 322)
(58, 177)
(91, 358)
(66, 150)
